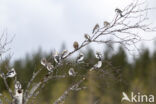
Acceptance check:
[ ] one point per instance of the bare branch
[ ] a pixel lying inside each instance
(74, 87)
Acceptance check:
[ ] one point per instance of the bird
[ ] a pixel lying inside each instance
(64, 53)
(87, 37)
(18, 85)
(125, 97)
(95, 29)
(72, 72)
(56, 57)
(106, 24)
(11, 73)
(98, 55)
(80, 58)
(97, 65)
(119, 11)
(76, 45)
(47, 64)
(44, 61)
(50, 67)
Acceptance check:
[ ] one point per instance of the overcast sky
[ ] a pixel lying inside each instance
(49, 23)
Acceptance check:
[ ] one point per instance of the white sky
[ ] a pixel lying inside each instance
(49, 23)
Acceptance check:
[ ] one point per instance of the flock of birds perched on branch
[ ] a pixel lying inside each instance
(58, 59)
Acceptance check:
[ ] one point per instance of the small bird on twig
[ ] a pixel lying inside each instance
(119, 11)
(98, 55)
(97, 65)
(11, 73)
(87, 37)
(80, 58)
(57, 57)
(18, 85)
(64, 53)
(72, 72)
(106, 24)
(76, 45)
(49, 66)
(44, 62)
(96, 29)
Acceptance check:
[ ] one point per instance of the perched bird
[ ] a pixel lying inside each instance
(64, 53)
(87, 37)
(76, 45)
(98, 55)
(97, 65)
(18, 85)
(57, 57)
(49, 66)
(44, 62)
(95, 29)
(80, 58)
(106, 24)
(11, 73)
(72, 72)
(119, 11)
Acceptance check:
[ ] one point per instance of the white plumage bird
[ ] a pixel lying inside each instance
(11, 73)
(44, 62)
(80, 58)
(97, 65)
(18, 85)
(64, 53)
(98, 55)
(49, 66)
(56, 57)
(72, 72)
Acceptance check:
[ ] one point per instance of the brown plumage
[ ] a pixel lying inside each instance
(106, 23)
(76, 45)
(96, 29)
(87, 37)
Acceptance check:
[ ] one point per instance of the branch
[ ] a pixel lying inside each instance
(74, 87)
